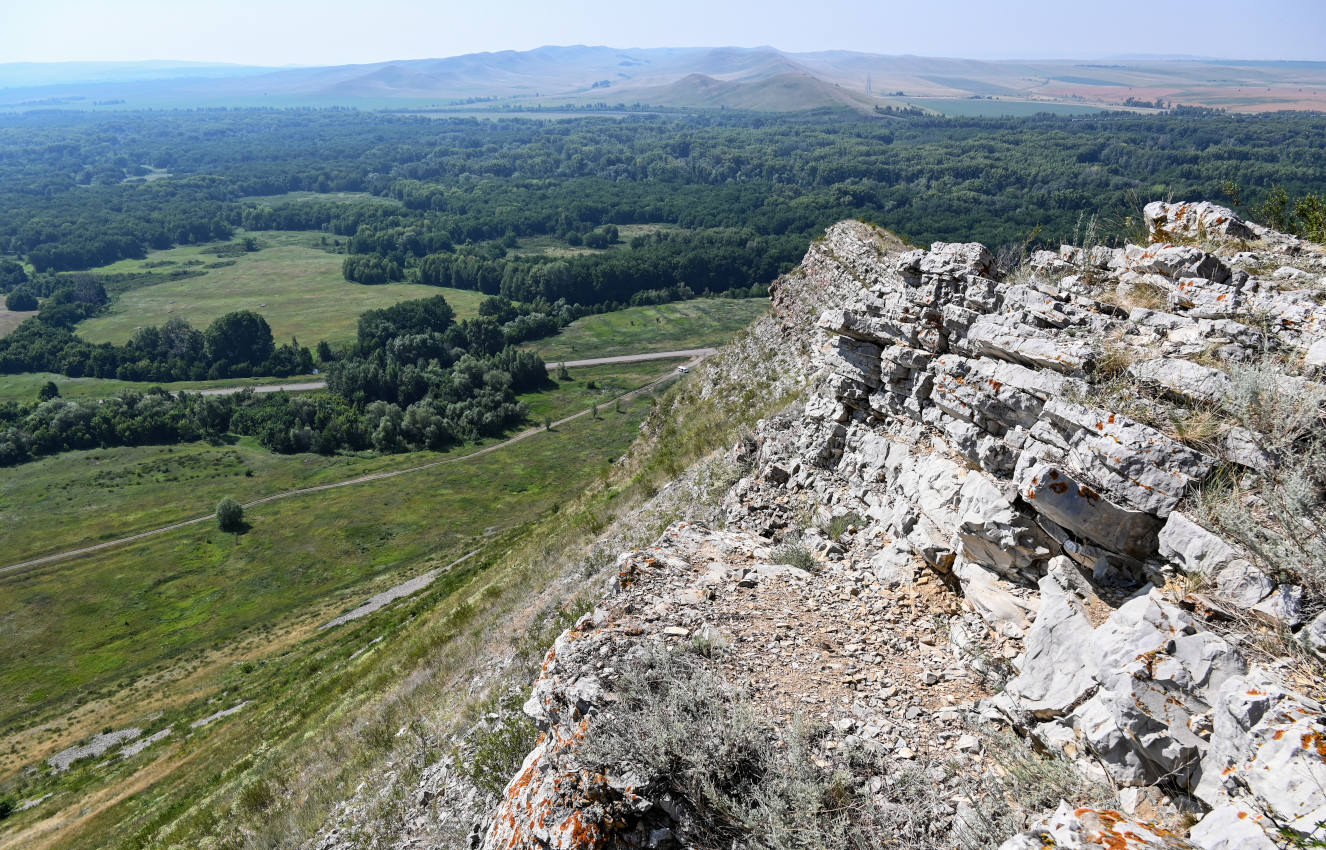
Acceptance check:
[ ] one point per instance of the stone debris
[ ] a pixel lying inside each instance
(99, 744)
(212, 718)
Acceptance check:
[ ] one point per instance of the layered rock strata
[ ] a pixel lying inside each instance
(976, 504)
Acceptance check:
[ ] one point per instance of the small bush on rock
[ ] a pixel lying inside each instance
(796, 555)
(499, 745)
(743, 783)
(1275, 514)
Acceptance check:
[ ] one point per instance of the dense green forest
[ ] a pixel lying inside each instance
(731, 201)
(74, 191)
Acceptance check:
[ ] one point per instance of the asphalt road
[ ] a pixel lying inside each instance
(696, 355)
(593, 361)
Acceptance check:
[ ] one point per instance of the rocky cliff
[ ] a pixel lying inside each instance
(1035, 562)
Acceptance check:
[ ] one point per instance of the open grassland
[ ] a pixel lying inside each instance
(697, 323)
(295, 284)
(290, 677)
(551, 246)
(89, 627)
(75, 499)
(24, 386)
(590, 385)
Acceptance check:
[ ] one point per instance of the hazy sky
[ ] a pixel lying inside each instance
(316, 32)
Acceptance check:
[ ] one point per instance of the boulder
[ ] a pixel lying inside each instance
(1315, 633)
(1243, 584)
(1183, 379)
(1232, 827)
(957, 259)
(1051, 491)
(1059, 670)
(1192, 548)
(1283, 607)
(1194, 220)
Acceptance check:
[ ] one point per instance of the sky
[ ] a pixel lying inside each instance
(334, 32)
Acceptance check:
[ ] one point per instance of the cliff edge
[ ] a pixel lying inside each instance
(1036, 562)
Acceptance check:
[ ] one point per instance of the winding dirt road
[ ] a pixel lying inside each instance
(570, 364)
(696, 355)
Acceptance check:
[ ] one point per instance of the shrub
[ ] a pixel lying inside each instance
(710, 748)
(839, 524)
(499, 746)
(796, 555)
(1275, 514)
(230, 515)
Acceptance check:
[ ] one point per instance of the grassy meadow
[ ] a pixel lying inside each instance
(25, 385)
(292, 281)
(698, 323)
(76, 499)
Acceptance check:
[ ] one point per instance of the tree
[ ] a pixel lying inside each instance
(48, 391)
(21, 300)
(230, 515)
(239, 337)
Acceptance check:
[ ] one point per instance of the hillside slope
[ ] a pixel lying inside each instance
(1071, 504)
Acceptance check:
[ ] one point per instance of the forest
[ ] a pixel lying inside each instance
(722, 203)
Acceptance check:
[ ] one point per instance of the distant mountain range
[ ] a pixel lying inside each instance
(760, 79)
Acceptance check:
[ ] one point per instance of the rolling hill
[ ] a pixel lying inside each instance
(760, 78)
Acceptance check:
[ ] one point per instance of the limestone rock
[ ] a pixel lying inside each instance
(1231, 827)
(1194, 220)
(1078, 829)
(1267, 746)
(1051, 491)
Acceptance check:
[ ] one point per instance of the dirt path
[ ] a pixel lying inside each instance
(696, 356)
(570, 364)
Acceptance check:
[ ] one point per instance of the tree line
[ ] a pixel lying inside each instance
(414, 379)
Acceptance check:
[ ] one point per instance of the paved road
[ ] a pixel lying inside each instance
(593, 361)
(697, 355)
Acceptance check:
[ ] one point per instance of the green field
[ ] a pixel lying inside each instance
(85, 623)
(24, 386)
(551, 246)
(698, 323)
(75, 499)
(295, 284)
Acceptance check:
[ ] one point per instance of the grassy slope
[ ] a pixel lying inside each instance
(293, 283)
(87, 624)
(327, 706)
(665, 327)
(222, 622)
